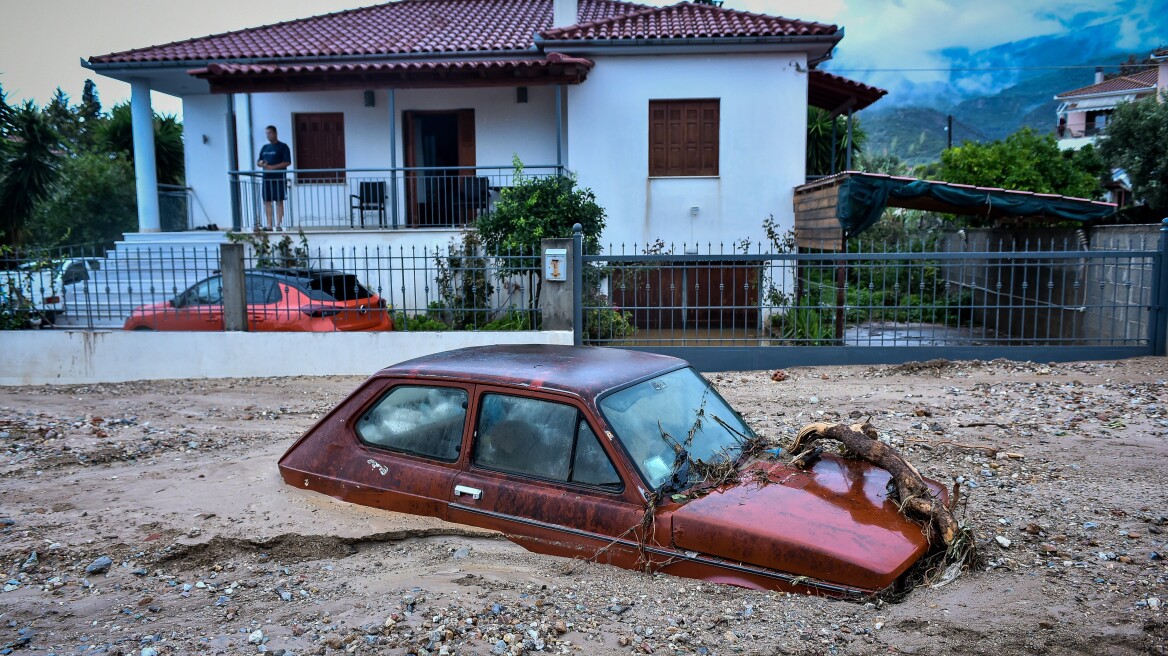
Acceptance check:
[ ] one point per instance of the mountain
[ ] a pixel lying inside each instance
(1013, 86)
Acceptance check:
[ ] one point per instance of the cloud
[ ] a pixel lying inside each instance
(888, 42)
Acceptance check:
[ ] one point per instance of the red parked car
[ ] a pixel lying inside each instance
(285, 299)
(595, 453)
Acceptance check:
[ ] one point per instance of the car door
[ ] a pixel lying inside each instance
(263, 295)
(538, 472)
(200, 307)
(409, 438)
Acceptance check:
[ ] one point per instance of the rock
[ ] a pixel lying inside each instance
(1003, 541)
(1153, 602)
(255, 637)
(100, 565)
(30, 562)
(149, 651)
(461, 553)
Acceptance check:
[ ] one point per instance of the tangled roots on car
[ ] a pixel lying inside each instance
(955, 543)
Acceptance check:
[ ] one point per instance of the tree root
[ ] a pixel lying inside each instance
(912, 495)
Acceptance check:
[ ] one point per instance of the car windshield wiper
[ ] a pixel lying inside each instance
(723, 424)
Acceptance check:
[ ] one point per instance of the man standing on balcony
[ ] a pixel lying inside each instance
(274, 158)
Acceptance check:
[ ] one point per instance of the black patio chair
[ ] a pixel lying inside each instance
(370, 197)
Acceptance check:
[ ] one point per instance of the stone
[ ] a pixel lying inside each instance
(255, 637)
(100, 565)
(1003, 541)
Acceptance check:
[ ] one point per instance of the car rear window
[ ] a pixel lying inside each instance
(336, 287)
(425, 421)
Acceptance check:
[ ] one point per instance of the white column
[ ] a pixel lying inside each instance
(145, 171)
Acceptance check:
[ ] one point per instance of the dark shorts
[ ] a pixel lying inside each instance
(275, 189)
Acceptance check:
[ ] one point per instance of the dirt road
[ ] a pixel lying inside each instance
(160, 526)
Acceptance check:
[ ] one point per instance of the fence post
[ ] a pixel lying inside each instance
(234, 305)
(577, 264)
(557, 294)
(1159, 329)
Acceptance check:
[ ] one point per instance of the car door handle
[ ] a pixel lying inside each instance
(473, 492)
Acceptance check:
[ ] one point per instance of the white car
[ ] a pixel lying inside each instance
(45, 285)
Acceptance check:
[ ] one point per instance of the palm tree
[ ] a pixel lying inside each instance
(820, 141)
(116, 135)
(30, 153)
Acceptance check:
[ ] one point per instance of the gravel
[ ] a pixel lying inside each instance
(148, 518)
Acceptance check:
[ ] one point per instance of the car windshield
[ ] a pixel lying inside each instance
(674, 420)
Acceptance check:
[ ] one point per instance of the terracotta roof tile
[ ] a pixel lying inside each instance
(1139, 82)
(407, 26)
(687, 20)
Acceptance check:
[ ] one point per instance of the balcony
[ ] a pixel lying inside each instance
(377, 199)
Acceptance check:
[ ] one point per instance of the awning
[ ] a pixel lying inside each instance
(1101, 102)
(554, 68)
(837, 94)
(844, 205)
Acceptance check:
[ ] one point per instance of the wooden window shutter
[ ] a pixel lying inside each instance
(319, 143)
(466, 140)
(683, 137)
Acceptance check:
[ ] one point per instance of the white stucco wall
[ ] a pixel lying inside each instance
(205, 155)
(38, 357)
(762, 143)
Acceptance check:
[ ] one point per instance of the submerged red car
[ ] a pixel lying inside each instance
(278, 299)
(605, 454)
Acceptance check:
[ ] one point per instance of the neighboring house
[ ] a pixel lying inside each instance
(1083, 112)
(688, 121)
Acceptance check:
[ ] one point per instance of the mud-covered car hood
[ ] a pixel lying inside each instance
(833, 522)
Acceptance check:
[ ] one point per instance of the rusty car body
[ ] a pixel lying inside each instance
(590, 453)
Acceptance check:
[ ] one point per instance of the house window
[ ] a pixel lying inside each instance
(683, 137)
(319, 140)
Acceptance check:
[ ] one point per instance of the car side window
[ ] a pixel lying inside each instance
(208, 292)
(539, 438)
(590, 464)
(422, 420)
(261, 290)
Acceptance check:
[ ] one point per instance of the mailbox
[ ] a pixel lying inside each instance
(555, 264)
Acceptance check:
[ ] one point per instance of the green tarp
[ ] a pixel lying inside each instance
(862, 200)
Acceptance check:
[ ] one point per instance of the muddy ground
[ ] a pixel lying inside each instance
(160, 526)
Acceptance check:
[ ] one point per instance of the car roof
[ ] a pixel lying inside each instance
(586, 371)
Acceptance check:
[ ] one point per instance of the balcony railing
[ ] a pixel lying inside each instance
(378, 199)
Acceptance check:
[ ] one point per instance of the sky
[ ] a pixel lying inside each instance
(43, 41)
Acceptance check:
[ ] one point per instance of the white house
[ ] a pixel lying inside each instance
(688, 121)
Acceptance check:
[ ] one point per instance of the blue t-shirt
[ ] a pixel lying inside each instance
(275, 153)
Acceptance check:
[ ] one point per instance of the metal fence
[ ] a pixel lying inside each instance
(288, 286)
(417, 197)
(729, 308)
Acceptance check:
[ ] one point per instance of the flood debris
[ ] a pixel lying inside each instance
(909, 490)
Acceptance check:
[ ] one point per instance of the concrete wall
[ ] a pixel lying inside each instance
(762, 137)
(74, 357)
(1098, 301)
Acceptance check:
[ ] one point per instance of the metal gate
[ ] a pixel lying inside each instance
(1037, 301)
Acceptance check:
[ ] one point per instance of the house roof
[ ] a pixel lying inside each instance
(833, 92)
(555, 68)
(1144, 80)
(463, 26)
(686, 20)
